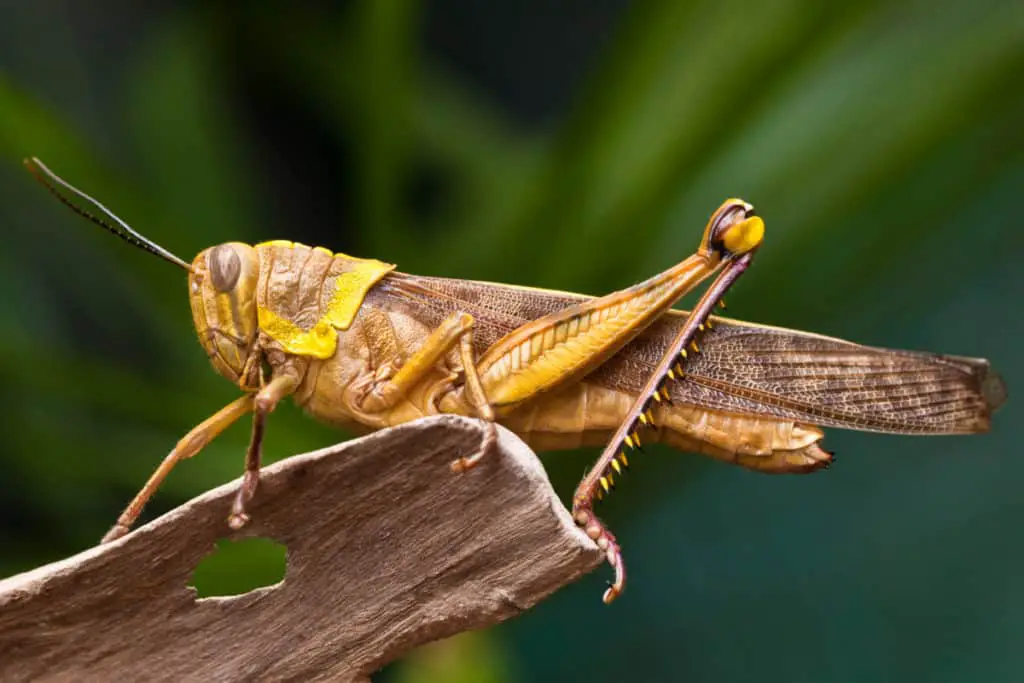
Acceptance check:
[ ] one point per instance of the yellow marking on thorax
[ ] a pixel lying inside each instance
(319, 342)
(351, 284)
(350, 289)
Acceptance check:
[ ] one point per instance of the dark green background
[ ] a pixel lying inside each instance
(575, 145)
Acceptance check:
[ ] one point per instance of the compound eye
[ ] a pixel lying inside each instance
(735, 229)
(225, 267)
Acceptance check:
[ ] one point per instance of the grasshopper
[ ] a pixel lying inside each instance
(358, 344)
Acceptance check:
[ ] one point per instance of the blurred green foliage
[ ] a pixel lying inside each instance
(220, 573)
(576, 145)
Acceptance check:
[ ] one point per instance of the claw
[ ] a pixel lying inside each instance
(490, 438)
(604, 539)
(116, 532)
(239, 517)
(236, 520)
(615, 588)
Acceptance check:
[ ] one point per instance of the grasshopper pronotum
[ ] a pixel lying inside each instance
(355, 342)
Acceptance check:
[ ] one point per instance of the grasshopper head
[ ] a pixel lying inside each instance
(222, 283)
(222, 290)
(734, 229)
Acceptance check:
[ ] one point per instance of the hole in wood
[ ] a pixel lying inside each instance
(237, 567)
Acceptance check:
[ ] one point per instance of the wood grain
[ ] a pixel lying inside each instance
(387, 549)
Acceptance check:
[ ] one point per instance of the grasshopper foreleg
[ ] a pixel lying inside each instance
(192, 443)
(266, 400)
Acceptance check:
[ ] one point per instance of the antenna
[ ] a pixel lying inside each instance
(53, 182)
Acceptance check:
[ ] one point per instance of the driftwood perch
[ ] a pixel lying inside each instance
(387, 549)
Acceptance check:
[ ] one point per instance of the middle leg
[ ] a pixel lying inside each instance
(378, 395)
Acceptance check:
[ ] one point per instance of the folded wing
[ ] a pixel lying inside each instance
(746, 368)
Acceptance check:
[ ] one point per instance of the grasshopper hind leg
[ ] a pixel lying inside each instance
(600, 479)
(585, 518)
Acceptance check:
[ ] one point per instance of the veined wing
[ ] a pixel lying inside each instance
(743, 367)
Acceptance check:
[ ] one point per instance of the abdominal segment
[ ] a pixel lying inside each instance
(585, 414)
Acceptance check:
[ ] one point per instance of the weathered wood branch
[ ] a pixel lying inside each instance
(387, 549)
